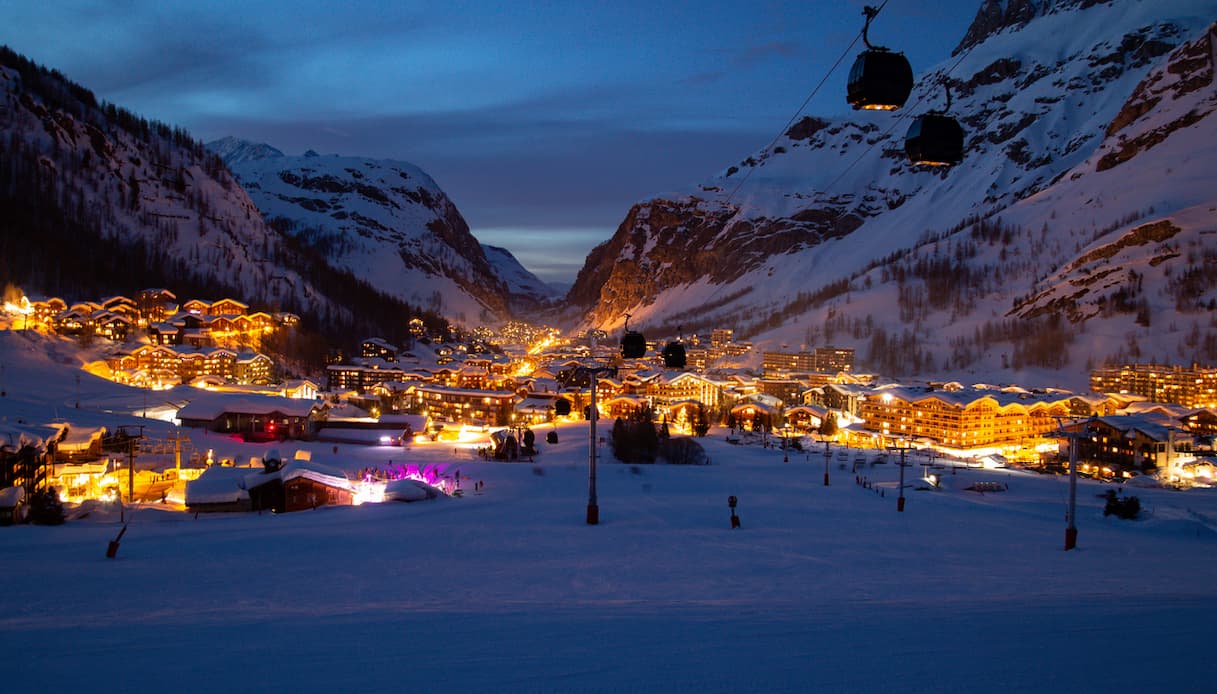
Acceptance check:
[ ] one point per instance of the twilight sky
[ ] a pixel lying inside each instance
(544, 121)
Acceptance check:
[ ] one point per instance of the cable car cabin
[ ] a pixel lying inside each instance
(633, 345)
(934, 139)
(674, 356)
(562, 407)
(880, 80)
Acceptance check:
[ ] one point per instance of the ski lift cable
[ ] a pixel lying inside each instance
(871, 13)
(803, 106)
(899, 119)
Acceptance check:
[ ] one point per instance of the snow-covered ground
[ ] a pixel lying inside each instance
(821, 589)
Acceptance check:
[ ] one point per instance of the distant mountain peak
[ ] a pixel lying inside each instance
(234, 150)
(997, 15)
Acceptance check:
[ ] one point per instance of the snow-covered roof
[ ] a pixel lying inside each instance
(218, 485)
(317, 472)
(207, 405)
(11, 496)
(80, 438)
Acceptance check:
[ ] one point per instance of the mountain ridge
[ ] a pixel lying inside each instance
(820, 224)
(389, 222)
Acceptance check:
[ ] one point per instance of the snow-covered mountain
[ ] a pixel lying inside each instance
(96, 201)
(387, 222)
(524, 285)
(1075, 230)
(145, 188)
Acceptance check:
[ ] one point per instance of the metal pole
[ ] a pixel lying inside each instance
(593, 508)
(131, 471)
(900, 498)
(1071, 528)
(827, 454)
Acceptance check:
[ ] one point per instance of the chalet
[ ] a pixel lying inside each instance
(395, 396)
(535, 408)
(252, 368)
(686, 386)
(115, 327)
(196, 307)
(307, 485)
(24, 449)
(164, 334)
(210, 361)
(226, 307)
(362, 375)
(1141, 443)
(1202, 422)
(150, 363)
(123, 306)
(389, 429)
(79, 444)
(622, 405)
(256, 418)
(444, 403)
(806, 418)
(222, 489)
(73, 321)
(376, 348)
(300, 389)
(44, 311)
(754, 415)
(155, 305)
(260, 322)
(473, 377)
(12, 504)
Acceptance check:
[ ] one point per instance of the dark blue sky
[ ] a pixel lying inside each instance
(544, 121)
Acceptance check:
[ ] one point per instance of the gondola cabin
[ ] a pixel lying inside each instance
(633, 345)
(562, 407)
(674, 356)
(880, 80)
(934, 139)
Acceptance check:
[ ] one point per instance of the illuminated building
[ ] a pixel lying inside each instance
(1193, 387)
(962, 419)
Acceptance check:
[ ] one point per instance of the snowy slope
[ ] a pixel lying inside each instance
(823, 588)
(522, 282)
(832, 236)
(386, 221)
(146, 185)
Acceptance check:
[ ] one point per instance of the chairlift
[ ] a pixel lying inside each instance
(934, 138)
(880, 79)
(633, 344)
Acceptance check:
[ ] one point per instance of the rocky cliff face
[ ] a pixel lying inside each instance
(385, 221)
(833, 230)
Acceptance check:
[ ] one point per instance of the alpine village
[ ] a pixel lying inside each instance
(1021, 281)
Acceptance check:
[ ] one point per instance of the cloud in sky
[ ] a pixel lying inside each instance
(533, 116)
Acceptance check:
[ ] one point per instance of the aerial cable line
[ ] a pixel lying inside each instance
(816, 90)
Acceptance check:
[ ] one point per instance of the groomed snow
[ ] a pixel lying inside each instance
(823, 588)
(508, 589)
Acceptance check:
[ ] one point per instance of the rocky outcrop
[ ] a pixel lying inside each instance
(667, 243)
(1189, 70)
